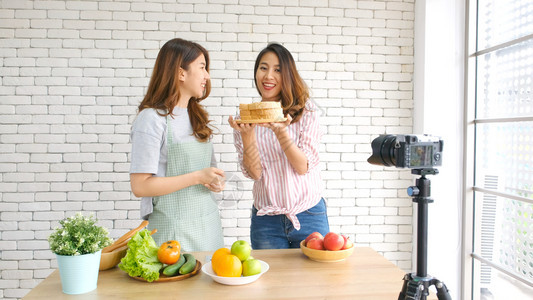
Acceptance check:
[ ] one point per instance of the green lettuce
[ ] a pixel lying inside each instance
(141, 258)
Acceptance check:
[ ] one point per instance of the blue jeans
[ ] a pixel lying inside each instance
(277, 232)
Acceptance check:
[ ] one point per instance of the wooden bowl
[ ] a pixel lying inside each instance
(111, 259)
(325, 255)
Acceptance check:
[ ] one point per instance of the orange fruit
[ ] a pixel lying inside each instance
(216, 257)
(226, 264)
(219, 252)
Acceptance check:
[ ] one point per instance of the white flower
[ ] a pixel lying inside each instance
(78, 235)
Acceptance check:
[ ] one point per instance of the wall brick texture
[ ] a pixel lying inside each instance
(73, 72)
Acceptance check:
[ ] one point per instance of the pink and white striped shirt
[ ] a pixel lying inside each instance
(280, 189)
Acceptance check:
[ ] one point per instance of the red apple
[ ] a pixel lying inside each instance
(347, 243)
(315, 234)
(315, 243)
(333, 241)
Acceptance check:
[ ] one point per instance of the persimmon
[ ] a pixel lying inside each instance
(169, 252)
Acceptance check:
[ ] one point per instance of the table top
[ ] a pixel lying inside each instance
(364, 275)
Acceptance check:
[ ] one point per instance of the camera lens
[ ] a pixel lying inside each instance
(383, 151)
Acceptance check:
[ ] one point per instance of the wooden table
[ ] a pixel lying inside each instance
(364, 275)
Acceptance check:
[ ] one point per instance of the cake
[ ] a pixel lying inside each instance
(267, 111)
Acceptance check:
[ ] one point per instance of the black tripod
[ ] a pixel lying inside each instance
(416, 286)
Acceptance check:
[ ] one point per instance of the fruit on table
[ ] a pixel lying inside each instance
(173, 269)
(251, 267)
(169, 252)
(333, 241)
(236, 261)
(216, 257)
(241, 249)
(315, 234)
(315, 243)
(347, 243)
(226, 264)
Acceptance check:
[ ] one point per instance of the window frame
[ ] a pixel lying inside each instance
(470, 260)
(469, 150)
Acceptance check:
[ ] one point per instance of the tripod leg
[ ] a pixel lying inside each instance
(403, 292)
(442, 290)
(413, 289)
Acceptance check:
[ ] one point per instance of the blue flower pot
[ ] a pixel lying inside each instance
(79, 273)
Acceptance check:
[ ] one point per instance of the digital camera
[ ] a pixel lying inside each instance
(407, 151)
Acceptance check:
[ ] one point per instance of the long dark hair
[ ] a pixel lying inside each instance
(163, 90)
(294, 91)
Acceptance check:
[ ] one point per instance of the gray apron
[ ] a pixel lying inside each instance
(190, 215)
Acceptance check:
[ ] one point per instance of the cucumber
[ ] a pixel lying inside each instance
(189, 265)
(172, 270)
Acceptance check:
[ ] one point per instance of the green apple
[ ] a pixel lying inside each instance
(251, 267)
(241, 249)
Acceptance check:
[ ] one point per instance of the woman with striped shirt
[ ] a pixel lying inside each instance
(282, 158)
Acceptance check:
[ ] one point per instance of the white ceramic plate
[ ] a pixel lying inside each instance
(208, 270)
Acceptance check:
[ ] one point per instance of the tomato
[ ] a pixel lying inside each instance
(169, 252)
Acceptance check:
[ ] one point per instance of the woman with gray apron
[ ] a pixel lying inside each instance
(172, 160)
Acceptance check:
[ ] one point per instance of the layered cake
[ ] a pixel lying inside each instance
(267, 111)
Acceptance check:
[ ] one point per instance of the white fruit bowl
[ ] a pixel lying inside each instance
(208, 270)
(325, 255)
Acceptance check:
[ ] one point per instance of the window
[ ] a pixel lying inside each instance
(499, 258)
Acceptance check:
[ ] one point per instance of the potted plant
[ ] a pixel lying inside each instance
(78, 246)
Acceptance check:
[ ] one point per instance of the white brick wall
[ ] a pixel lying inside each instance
(73, 72)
